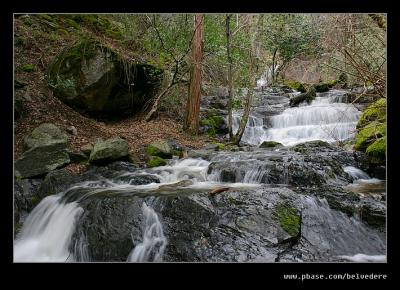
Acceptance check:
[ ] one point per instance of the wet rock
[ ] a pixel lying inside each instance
(26, 197)
(270, 144)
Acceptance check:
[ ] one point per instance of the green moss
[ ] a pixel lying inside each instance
(212, 124)
(369, 134)
(375, 112)
(377, 150)
(288, 218)
(270, 144)
(295, 85)
(156, 161)
(220, 146)
(28, 67)
(321, 87)
(151, 150)
(331, 83)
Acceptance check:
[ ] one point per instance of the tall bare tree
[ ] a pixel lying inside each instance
(255, 29)
(191, 124)
(230, 82)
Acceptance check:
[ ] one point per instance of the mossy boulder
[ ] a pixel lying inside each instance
(212, 125)
(295, 85)
(270, 144)
(377, 150)
(161, 149)
(156, 161)
(371, 136)
(308, 96)
(289, 219)
(321, 87)
(45, 134)
(374, 112)
(42, 159)
(109, 150)
(96, 81)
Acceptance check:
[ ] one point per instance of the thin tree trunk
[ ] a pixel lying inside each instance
(273, 65)
(191, 124)
(230, 95)
(254, 31)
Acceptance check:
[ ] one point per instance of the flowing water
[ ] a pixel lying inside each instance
(46, 235)
(327, 118)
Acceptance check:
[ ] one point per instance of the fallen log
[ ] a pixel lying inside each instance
(218, 190)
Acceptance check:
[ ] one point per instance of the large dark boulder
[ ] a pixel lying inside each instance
(95, 80)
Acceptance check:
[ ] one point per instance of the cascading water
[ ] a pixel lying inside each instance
(47, 231)
(154, 242)
(326, 119)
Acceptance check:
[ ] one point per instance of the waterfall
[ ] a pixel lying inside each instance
(154, 242)
(326, 119)
(356, 173)
(46, 234)
(330, 230)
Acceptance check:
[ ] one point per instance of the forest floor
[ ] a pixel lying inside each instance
(38, 48)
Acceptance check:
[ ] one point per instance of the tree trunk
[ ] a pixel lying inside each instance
(254, 35)
(191, 124)
(273, 66)
(230, 95)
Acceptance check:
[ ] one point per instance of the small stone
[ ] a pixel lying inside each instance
(72, 130)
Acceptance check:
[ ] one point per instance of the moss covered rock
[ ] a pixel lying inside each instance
(211, 125)
(270, 144)
(156, 161)
(371, 136)
(308, 96)
(109, 150)
(288, 218)
(45, 134)
(374, 112)
(42, 159)
(161, 149)
(321, 87)
(95, 80)
(295, 85)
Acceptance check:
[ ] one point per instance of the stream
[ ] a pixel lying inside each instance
(306, 201)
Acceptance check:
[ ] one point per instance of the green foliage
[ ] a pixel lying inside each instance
(291, 34)
(374, 112)
(211, 124)
(295, 85)
(28, 68)
(377, 149)
(220, 146)
(288, 219)
(369, 134)
(152, 150)
(156, 161)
